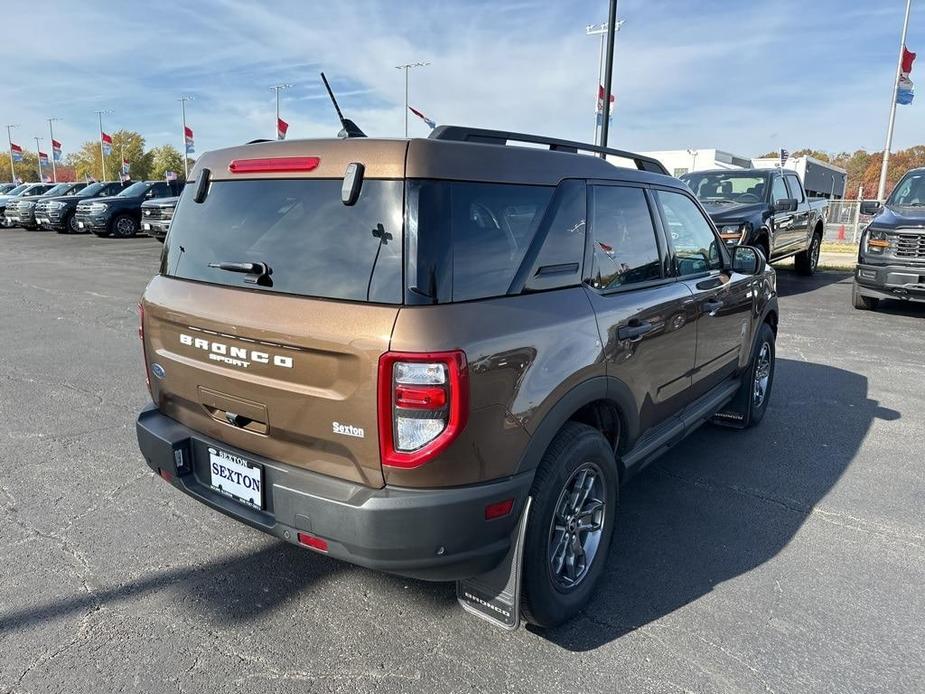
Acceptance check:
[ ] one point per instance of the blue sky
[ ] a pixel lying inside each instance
(743, 75)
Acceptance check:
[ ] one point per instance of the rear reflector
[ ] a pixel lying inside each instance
(499, 509)
(274, 165)
(313, 542)
(165, 475)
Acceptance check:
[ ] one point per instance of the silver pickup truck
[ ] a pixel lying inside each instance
(765, 208)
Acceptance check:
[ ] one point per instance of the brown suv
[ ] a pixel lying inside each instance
(379, 349)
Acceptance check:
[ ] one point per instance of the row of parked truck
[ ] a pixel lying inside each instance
(105, 208)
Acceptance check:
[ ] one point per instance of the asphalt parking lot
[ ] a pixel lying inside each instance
(788, 558)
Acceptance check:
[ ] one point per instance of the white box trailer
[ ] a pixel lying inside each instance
(820, 179)
(682, 161)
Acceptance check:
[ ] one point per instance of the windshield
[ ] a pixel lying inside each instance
(136, 190)
(910, 191)
(718, 187)
(91, 190)
(59, 189)
(18, 189)
(312, 243)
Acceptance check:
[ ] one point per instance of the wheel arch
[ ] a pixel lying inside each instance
(604, 403)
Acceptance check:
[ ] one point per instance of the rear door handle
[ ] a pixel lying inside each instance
(635, 331)
(711, 306)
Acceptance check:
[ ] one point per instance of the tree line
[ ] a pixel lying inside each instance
(863, 167)
(144, 164)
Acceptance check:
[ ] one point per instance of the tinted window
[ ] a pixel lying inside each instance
(624, 247)
(313, 243)
(724, 187)
(695, 245)
(796, 190)
(559, 261)
(135, 190)
(779, 190)
(910, 191)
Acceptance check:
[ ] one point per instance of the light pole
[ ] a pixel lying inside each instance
(9, 137)
(277, 88)
(51, 134)
(406, 67)
(183, 100)
(38, 157)
(608, 73)
(600, 30)
(102, 153)
(693, 153)
(889, 131)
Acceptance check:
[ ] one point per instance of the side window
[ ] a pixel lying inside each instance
(558, 263)
(796, 190)
(159, 190)
(779, 190)
(625, 251)
(695, 245)
(492, 227)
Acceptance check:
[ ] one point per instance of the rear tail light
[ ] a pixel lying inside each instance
(423, 405)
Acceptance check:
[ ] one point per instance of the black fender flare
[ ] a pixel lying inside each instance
(605, 388)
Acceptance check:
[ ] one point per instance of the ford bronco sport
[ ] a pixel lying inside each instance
(381, 349)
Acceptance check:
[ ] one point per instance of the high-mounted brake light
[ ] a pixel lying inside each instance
(274, 165)
(423, 405)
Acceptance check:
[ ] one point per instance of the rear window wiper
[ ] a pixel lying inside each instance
(257, 273)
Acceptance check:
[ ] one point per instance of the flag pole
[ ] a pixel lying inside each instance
(38, 158)
(608, 74)
(276, 88)
(102, 154)
(183, 100)
(9, 137)
(889, 131)
(51, 134)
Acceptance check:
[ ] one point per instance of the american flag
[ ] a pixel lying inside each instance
(784, 156)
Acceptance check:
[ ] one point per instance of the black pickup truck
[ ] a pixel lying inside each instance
(765, 208)
(120, 215)
(891, 256)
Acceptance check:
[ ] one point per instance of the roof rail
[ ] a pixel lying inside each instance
(461, 133)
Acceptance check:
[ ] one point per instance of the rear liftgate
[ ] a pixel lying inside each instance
(495, 595)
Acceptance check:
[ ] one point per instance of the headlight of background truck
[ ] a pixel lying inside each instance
(733, 233)
(877, 241)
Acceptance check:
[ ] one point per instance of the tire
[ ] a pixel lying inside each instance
(806, 261)
(70, 225)
(123, 226)
(577, 453)
(863, 303)
(760, 376)
(763, 246)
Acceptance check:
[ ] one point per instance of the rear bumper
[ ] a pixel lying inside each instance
(431, 534)
(903, 282)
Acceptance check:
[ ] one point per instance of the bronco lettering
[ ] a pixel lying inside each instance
(238, 355)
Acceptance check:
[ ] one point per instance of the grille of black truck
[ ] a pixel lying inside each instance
(910, 245)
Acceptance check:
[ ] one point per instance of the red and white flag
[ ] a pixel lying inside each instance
(107, 143)
(282, 127)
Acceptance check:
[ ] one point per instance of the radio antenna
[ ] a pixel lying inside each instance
(349, 128)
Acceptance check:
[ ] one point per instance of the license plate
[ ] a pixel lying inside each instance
(80, 225)
(41, 220)
(146, 227)
(236, 477)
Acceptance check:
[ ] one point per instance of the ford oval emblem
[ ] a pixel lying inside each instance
(158, 370)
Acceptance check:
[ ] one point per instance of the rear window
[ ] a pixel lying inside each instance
(313, 244)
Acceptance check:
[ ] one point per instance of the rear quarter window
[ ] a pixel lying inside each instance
(314, 244)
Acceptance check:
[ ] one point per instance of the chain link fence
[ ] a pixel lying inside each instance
(844, 222)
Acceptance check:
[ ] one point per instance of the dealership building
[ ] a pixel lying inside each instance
(821, 180)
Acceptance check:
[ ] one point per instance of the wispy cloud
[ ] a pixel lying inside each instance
(742, 76)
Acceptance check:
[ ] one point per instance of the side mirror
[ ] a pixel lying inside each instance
(748, 260)
(870, 207)
(785, 205)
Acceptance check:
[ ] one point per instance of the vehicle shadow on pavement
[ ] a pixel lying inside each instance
(237, 589)
(725, 502)
(789, 283)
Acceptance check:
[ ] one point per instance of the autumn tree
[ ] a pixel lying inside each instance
(166, 158)
(86, 160)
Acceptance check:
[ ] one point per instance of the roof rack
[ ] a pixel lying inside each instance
(460, 133)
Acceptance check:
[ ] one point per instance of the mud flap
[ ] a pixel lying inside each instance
(735, 414)
(495, 595)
